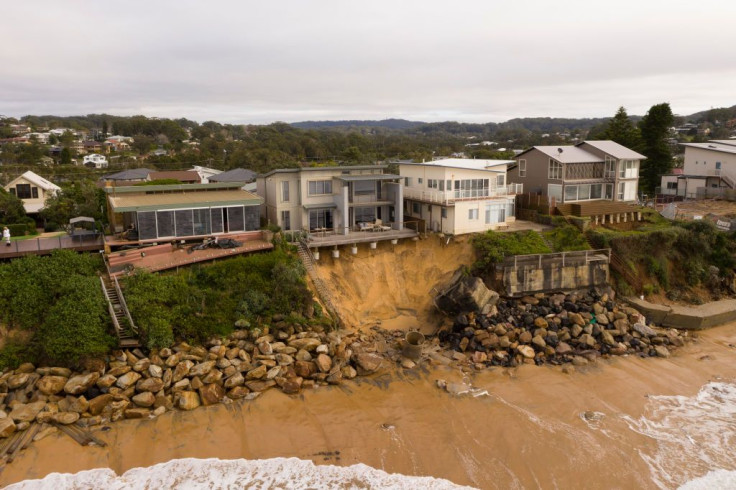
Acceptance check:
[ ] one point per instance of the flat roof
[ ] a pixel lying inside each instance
(713, 146)
(148, 189)
(467, 164)
(317, 169)
(182, 200)
(357, 178)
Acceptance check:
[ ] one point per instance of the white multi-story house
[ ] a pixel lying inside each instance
(99, 161)
(458, 196)
(332, 199)
(33, 190)
(706, 165)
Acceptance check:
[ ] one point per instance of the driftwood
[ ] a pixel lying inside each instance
(83, 437)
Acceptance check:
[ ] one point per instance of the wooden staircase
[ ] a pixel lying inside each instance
(125, 329)
(322, 292)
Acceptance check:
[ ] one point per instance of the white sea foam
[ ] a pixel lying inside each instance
(695, 436)
(277, 473)
(714, 480)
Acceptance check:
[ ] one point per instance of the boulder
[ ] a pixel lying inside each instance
(182, 370)
(26, 367)
(137, 413)
(127, 380)
(563, 348)
(324, 363)
(259, 386)
(65, 418)
(211, 394)
(465, 294)
(78, 405)
(661, 351)
(188, 400)
(7, 427)
(367, 363)
(308, 344)
(18, 380)
(202, 368)
(26, 412)
(526, 351)
(155, 371)
(106, 381)
(51, 385)
(257, 373)
(144, 399)
(76, 385)
(238, 392)
(643, 330)
(292, 386)
(97, 404)
(153, 385)
(305, 369)
(236, 379)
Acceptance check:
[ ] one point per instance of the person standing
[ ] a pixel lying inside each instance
(6, 236)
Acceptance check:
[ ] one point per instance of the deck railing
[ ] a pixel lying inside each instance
(448, 197)
(599, 255)
(41, 245)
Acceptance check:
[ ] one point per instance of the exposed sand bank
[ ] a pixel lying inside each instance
(392, 285)
(527, 433)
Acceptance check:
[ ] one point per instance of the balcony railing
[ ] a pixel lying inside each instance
(448, 197)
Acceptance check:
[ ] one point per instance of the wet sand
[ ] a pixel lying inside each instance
(527, 433)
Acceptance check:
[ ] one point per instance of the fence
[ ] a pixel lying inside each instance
(45, 245)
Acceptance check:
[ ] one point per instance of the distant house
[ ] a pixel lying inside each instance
(182, 210)
(33, 190)
(131, 175)
(235, 175)
(92, 146)
(706, 165)
(458, 196)
(95, 160)
(205, 173)
(591, 170)
(183, 176)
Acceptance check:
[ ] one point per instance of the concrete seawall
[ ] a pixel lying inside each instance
(687, 317)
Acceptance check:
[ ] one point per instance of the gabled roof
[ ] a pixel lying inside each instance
(132, 174)
(712, 146)
(37, 180)
(234, 175)
(731, 142)
(612, 148)
(568, 154)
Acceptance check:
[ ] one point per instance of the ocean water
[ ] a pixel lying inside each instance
(696, 438)
(277, 473)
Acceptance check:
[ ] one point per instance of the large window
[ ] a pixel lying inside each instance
(320, 219)
(629, 169)
(286, 220)
(472, 214)
(501, 180)
(285, 191)
(23, 191)
(415, 209)
(621, 190)
(366, 187)
(470, 188)
(319, 187)
(522, 168)
(555, 170)
(555, 191)
(586, 192)
(496, 213)
(610, 171)
(433, 184)
(365, 215)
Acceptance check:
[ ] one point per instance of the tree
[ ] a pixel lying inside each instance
(104, 128)
(66, 156)
(621, 130)
(11, 208)
(82, 198)
(655, 127)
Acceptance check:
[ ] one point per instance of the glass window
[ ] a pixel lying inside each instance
(555, 191)
(320, 218)
(472, 214)
(501, 180)
(610, 167)
(319, 187)
(286, 220)
(571, 193)
(147, 225)
(442, 185)
(444, 212)
(555, 170)
(420, 180)
(235, 219)
(34, 192)
(672, 185)
(621, 189)
(165, 223)
(216, 220)
(522, 168)
(285, 191)
(183, 221)
(365, 215)
(407, 181)
(201, 221)
(595, 191)
(23, 191)
(415, 208)
(363, 188)
(583, 192)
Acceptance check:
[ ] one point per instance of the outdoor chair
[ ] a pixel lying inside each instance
(379, 226)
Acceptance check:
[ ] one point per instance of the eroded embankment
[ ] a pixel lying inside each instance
(392, 285)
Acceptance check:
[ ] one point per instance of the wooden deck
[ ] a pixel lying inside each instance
(171, 256)
(596, 208)
(319, 239)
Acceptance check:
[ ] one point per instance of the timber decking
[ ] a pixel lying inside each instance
(595, 208)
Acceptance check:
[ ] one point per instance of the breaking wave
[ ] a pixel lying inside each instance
(695, 438)
(277, 473)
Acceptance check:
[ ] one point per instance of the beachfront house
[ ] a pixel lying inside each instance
(334, 200)
(33, 190)
(708, 169)
(159, 212)
(457, 196)
(588, 171)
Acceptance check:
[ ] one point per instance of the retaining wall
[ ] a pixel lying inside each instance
(687, 317)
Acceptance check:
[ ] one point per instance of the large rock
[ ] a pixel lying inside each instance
(642, 329)
(18, 380)
(308, 344)
(7, 427)
(367, 363)
(106, 381)
(211, 394)
(260, 385)
(137, 413)
(27, 412)
(182, 370)
(257, 373)
(150, 384)
(324, 363)
(144, 399)
(305, 369)
(188, 400)
(65, 418)
(127, 380)
(202, 368)
(51, 385)
(97, 404)
(526, 351)
(238, 392)
(465, 294)
(81, 383)
(236, 379)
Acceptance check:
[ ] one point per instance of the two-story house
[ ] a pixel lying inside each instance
(33, 190)
(706, 165)
(591, 170)
(456, 195)
(331, 199)
(95, 160)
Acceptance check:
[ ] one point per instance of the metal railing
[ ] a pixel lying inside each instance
(124, 305)
(598, 255)
(447, 197)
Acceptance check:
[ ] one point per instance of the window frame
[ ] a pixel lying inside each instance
(554, 170)
(522, 168)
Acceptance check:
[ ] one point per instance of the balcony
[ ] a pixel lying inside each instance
(450, 197)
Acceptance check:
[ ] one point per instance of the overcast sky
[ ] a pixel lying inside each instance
(275, 60)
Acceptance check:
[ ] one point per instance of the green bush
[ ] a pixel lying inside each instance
(18, 229)
(493, 247)
(566, 238)
(14, 353)
(51, 226)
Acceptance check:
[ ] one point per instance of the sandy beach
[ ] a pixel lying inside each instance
(528, 432)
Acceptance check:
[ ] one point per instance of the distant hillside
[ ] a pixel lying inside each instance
(714, 114)
(385, 123)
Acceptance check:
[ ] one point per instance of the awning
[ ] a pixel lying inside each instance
(181, 200)
(327, 205)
